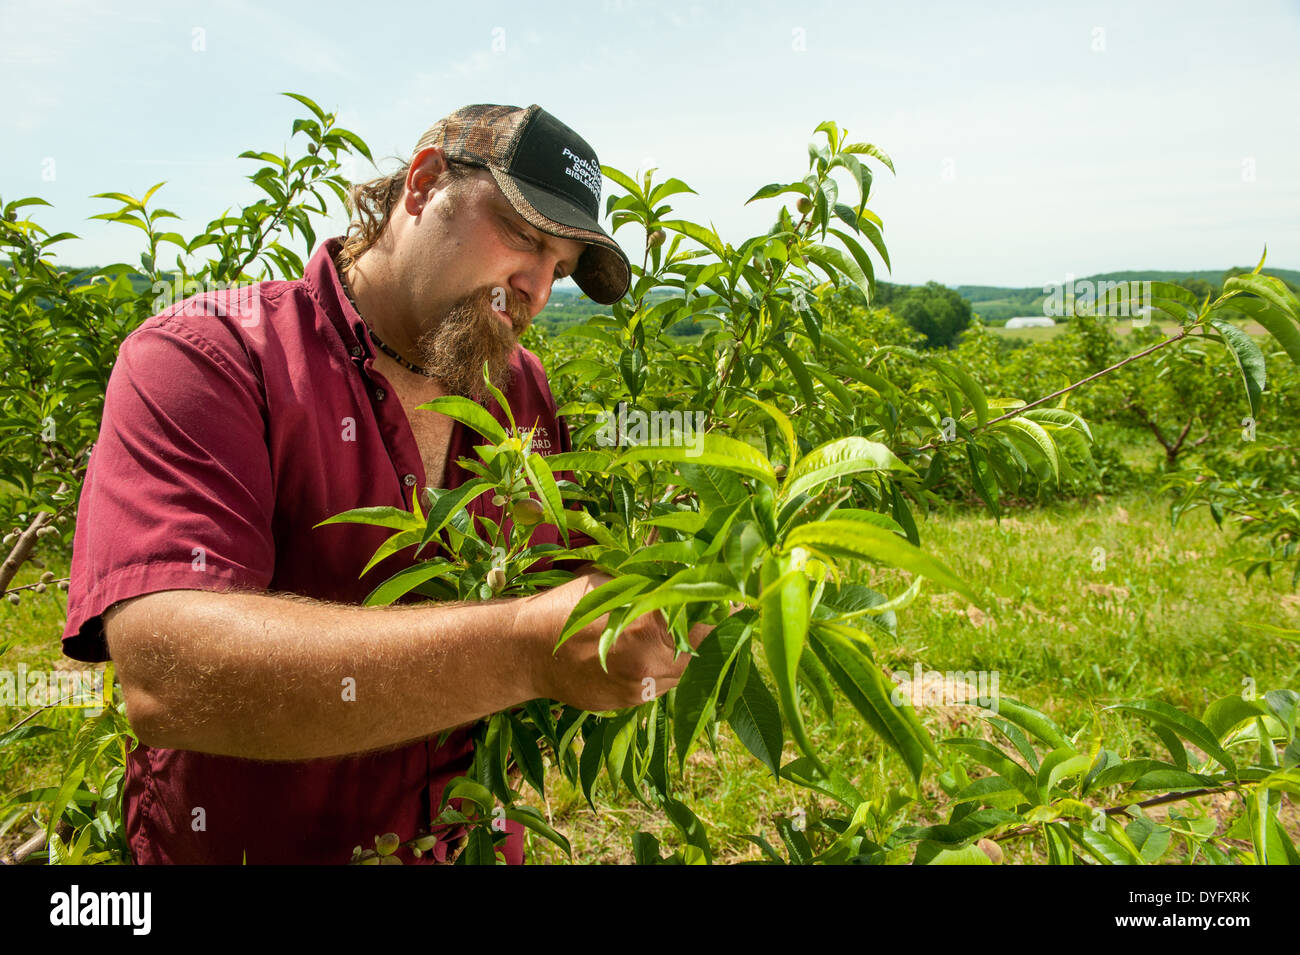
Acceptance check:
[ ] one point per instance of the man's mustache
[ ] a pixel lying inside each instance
(492, 297)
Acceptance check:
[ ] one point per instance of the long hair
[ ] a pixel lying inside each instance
(370, 205)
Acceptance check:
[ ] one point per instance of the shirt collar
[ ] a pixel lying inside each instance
(322, 278)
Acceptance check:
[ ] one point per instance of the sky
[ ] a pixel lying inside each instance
(1033, 142)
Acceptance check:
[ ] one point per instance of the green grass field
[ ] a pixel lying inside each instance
(1166, 617)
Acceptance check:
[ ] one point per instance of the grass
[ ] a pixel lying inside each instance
(1156, 612)
(1166, 618)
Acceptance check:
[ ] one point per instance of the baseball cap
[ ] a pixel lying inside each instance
(549, 174)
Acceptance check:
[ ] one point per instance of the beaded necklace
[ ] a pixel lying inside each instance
(347, 290)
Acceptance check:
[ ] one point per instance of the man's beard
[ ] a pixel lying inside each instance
(468, 335)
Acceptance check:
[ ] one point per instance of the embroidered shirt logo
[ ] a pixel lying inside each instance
(541, 439)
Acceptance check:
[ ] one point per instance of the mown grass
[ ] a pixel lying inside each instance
(1157, 612)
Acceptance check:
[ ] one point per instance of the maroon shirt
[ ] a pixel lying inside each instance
(233, 423)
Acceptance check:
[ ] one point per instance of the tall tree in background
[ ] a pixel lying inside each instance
(934, 310)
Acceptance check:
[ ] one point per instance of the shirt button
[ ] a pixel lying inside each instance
(379, 394)
(409, 480)
(356, 351)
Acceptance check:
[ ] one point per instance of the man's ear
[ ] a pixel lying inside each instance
(422, 176)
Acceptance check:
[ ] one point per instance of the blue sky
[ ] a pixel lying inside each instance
(1032, 141)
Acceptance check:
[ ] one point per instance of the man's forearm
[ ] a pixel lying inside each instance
(282, 678)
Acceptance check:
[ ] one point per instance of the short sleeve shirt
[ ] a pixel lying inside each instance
(234, 422)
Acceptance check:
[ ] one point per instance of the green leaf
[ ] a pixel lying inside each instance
(404, 581)
(1279, 323)
(693, 584)
(478, 850)
(797, 368)
(706, 237)
(982, 479)
(1228, 712)
(1250, 360)
(861, 258)
(716, 451)
(1060, 417)
(967, 855)
(803, 772)
(870, 694)
(717, 489)
(448, 505)
(543, 481)
(353, 140)
(645, 849)
(399, 541)
(532, 819)
(1187, 727)
(836, 459)
(589, 762)
(688, 522)
(320, 113)
(969, 387)
(73, 776)
(696, 696)
(783, 627)
(523, 744)
(835, 262)
(960, 832)
(756, 718)
(492, 755)
(1100, 845)
(1152, 840)
(1146, 774)
(610, 595)
(689, 825)
(462, 787)
(1057, 765)
(776, 189)
(26, 731)
(1027, 718)
(619, 735)
(870, 150)
(584, 523)
(624, 180)
(468, 413)
(1268, 288)
(861, 540)
(1040, 438)
(995, 759)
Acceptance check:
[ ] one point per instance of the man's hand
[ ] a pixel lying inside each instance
(641, 664)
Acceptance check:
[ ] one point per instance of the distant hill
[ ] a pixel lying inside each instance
(995, 304)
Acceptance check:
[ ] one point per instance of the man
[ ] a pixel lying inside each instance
(280, 722)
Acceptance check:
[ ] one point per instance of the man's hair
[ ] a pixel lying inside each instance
(370, 205)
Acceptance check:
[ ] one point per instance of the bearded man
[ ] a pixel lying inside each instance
(278, 720)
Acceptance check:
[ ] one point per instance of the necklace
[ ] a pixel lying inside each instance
(391, 353)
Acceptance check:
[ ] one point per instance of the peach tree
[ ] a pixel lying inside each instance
(815, 450)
